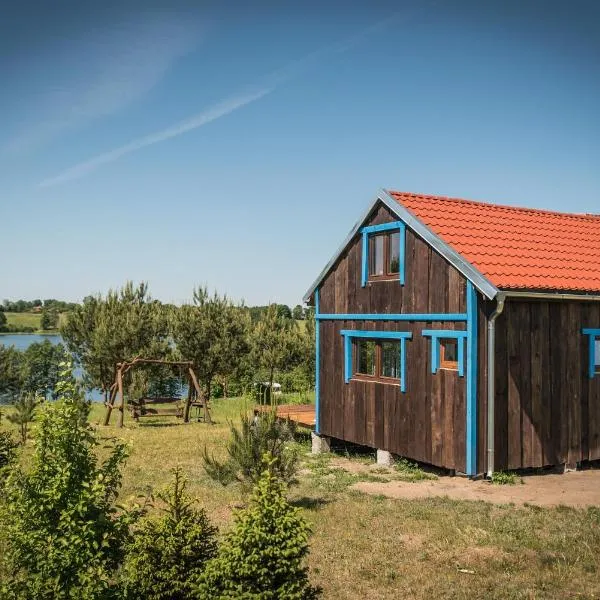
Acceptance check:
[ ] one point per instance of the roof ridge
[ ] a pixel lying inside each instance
(556, 213)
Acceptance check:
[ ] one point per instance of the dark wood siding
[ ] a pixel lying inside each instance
(427, 422)
(547, 408)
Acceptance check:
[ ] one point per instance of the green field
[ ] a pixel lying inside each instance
(372, 548)
(28, 319)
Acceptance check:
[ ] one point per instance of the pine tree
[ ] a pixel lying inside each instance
(262, 558)
(263, 434)
(167, 554)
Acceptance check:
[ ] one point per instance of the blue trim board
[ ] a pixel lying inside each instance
(402, 255)
(391, 317)
(436, 336)
(370, 229)
(317, 364)
(593, 334)
(383, 227)
(472, 376)
(394, 335)
(365, 259)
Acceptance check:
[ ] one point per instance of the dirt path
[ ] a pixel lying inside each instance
(577, 489)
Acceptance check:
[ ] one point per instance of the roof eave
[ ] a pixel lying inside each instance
(486, 287)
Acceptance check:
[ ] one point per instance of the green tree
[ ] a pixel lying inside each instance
(274, 341)
(3, 321)
(212, 333)
(263, 557)
(298, 312)
(167, 555)
(106, 330)
(41, 362)
(247, 446)
(11, 374)
(62, 534)
(49, 319)
(24, 413)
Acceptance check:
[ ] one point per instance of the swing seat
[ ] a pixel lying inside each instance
(139, 408)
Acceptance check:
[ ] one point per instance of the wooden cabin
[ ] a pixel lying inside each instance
(462, 334)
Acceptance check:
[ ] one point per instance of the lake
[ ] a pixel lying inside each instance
(22, 341)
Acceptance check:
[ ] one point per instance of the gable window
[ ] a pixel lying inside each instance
(447, 350)
(378, 356)
(384, 255)
(383, 252)
(593, 351)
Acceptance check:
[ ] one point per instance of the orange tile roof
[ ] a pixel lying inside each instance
(516, 248)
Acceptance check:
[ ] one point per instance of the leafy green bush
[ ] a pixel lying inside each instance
(505, 478)
(167, 554)
(7, 448)
(262, 557)
(63, 535)
(257, 436)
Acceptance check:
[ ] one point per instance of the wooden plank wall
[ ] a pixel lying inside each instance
(427, 422)
(547, 408)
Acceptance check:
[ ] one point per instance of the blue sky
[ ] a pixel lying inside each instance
(212, 143)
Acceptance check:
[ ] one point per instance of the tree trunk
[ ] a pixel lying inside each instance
(271, 373)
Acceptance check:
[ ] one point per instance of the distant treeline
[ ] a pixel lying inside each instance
(51, 304)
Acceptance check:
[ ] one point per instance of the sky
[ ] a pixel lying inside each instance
(234, 146)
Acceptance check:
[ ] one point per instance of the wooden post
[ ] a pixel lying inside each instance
(122, 402)
(111, 402)
(188, 402)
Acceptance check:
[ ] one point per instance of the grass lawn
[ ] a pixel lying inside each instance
(373, 548)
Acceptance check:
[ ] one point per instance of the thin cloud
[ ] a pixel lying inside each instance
(212, 114)
(223, 108)
(103, 73)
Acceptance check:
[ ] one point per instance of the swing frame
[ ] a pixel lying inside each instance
(194, 395)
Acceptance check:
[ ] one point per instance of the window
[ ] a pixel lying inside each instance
(384, 255)
(594, 351)
(449, 354)
(383, 248)
(447, 349)
(377, 359)
(375, 356)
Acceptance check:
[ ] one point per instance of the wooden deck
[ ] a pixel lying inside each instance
(302, 414)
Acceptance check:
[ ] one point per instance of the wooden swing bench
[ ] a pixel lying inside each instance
(143, 408)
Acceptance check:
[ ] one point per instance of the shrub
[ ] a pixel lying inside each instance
(63, 535)
(505, 478)
(25, 408)
(256, 436)
(262, 557)
(7, 449)
(167, 555)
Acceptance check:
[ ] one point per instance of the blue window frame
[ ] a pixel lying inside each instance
(594, 351)
(374, 230)
(350, 335)
(437, 337)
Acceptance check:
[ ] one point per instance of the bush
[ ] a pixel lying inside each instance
(262, 557)
(63, 535)
(7, 449)
(247, 447)
(24, 413)
(167, 555)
